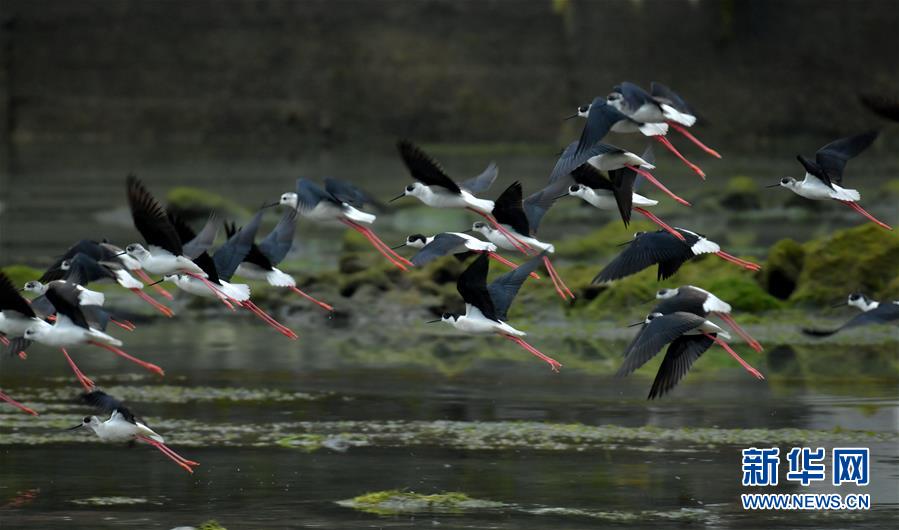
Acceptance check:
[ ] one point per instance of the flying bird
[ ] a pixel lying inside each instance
(873, 312)
(668, 100)
(691, 299)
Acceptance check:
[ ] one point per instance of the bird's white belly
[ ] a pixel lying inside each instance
(117, 431)
(602, 199)
(648, 113)
(251, 271)
(443, 199)
(194, 286)
(324, 212)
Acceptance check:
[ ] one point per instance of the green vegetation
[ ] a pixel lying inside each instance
(392, 502)
(196, 203)
(19, 274)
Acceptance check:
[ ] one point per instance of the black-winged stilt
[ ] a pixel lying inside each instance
(824, 174)
(692, 299)
(260, 262)
(16, 316)
(437, 190)
(672, 103)
(873, 312)
(659, 330)
(660, 247)
(522, 221)
(458, 244)
(486, 306)
(124, 426)
(339, 202)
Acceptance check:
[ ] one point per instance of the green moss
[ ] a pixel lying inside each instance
(392, 502)
(602, 242)
(741, 193)
(211, 524)
(780, 274)
(890, 188)
(20, 274)
(198, 203)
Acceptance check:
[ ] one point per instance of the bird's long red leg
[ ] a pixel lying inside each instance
(4, 340)
(149, 281)
(669, 146)
(256, 310)
(326, 307)
(741, 262)
(729, 320)
(855, 206)
(755, 373)
(509, 263)
(16, 404)
(124, 324)
(374, 243)
(144, 364)
(655, 182)
(373, 237)
(171, 455)
(652, 217)
(520, 245)
(149, 299)
(551, 269)
(554, 364)
(83, 379)
(683, 130)
(222, 297)
(556, 285)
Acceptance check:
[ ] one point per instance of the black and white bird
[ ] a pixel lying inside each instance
(690, 336)
(459, 244)
(692, 299)
(437, 190)
(73, 328)
(873, 312)
(339, 202)
(261, 261)
(123, 426)
(486, 306)
(521, 219)
(614, 192)
(16, 316)
(220, 267)
(669, 252)
(824, 175)
(670, 100)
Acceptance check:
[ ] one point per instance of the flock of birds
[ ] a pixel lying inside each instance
(65, 313)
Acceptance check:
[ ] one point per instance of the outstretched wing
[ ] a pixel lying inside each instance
(150, 218)
(64, 297)
(644, 251)
(832, 158)
(599, 122)
(623, 181)
(277, 243)
(482, 182)
(423, 168)
(681, 355)
(663, 94)
(202, 241)
(509, 210)
(309, 194)
(537, 204)
(654, 336)
(11, 300)
(472, 286)
(884, 314)
(104, 402)
(503, 289)
(441, 245)
(343, 191)
(230, 255)
(634, 96)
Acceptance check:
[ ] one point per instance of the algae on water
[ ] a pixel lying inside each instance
(392, 502)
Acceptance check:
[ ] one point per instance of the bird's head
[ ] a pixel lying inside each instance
(582, 112)
(859, 300)
(652, 316)
(786, 182)
(416, 241)
(65, 265)
(664, 294)
(137, 251)
(289, 199)
(616, 100)
(415, 189)
(89, 422)
(35, 287)
(36, 330)
(482, 227)
(578, 190)
(447, 317)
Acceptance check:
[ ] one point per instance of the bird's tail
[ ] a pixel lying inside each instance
(279, 278)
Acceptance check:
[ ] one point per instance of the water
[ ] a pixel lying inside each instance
(413, 414)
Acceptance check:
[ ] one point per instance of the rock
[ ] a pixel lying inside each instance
(781, 272)
(741, 194)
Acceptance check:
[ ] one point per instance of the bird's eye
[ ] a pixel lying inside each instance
(410, 188)
(784, 181)
(583, 108)
(573, 189)
(854, 297)
(87, 419)
(446, 316)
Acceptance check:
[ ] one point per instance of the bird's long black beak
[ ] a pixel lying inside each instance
(21, 289)
(635, 324)
(270, 205)
(841, 304)
(432, 321)
(75, 428)
(572, 116)
(398, 246)
(122, 253)
(400, 196)
(560, 196)
(773, 185)
(625, 243)
(156, 282)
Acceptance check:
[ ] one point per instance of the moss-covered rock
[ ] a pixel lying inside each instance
(196, 204)
(393, 502)
(602, 242)
(741, 193)
(781, 272)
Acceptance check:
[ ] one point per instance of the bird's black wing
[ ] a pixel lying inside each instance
(441, 245)
(537, 204)
(343, 191)
(563, 167)
(599, 122)
(230, 255)
(503, 289)
(11, 300)
(84, 269)
(201, 242)
(681, 355)
(254, 256)
(207, 265)
(85, 246)
(42, 307)
(663, 94)
(623, 181)
(96, 316)
(150, 218)
(644, 251)
(634, 96)
(482, 182)
(472, 286)
(883, 314)
(689, 301)
(885, 106)
(648, 156)
(104, 402)
(654, 336)
(591, 177)
(509, 210)
(423, 168)
(277, 243)
(64, 297)
(309, 194)
(18, 344)
(832, 158)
